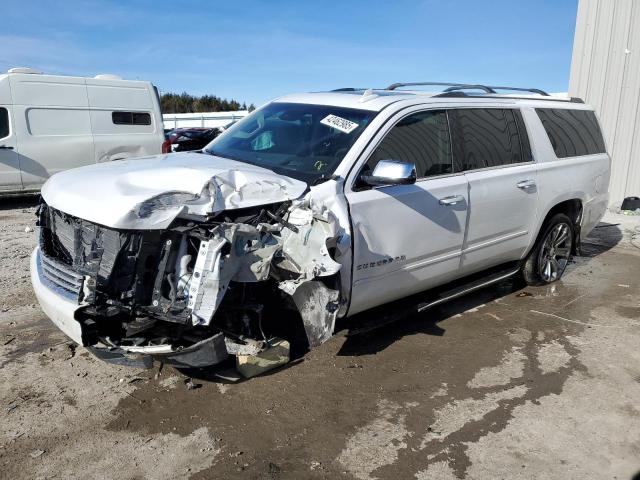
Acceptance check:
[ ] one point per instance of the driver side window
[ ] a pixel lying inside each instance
(422, 139)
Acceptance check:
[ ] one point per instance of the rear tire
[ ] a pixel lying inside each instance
(551, 253)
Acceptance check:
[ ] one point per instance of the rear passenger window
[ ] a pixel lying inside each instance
(572, 132)
(131, 118)
(422, 139)
(488, 137)
(4, 122)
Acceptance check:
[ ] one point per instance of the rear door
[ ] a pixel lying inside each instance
(491, 147)
(9, 162)
(407, 238)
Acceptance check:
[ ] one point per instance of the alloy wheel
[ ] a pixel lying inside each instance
(555, 252)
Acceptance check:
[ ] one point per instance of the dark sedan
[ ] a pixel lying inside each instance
(186, 139)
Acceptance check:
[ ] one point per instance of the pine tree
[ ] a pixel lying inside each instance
(185, 103)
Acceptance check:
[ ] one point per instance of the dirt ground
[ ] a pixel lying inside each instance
(509, 382)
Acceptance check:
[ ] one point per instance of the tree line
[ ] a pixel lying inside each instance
(185, 103)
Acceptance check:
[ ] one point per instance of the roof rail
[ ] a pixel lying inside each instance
(519, 89)
(549, 98)
(452, 86)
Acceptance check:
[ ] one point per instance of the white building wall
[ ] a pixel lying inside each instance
(204, 119)
(605, 72)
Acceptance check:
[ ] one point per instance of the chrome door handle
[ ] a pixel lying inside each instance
(452, 200)
(526, 184)
(5, 147)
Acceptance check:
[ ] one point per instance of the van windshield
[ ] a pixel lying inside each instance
(302, 141)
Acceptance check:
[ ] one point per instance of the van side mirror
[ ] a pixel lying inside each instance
(391, 172)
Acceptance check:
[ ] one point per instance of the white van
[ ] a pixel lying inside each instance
(50, 123)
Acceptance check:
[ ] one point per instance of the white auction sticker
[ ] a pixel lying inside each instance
(342, 124)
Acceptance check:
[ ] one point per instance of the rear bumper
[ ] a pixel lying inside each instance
(593, 212)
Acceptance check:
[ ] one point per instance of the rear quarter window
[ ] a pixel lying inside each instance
(572, 132)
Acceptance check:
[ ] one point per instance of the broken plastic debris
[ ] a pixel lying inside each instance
(274, 356)
(524, 294)
(191, 385)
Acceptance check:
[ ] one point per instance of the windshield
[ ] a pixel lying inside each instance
(305, 142)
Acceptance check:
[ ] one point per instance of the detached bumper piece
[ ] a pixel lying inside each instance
(210, 351)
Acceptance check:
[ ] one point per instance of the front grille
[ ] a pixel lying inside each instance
(74, 249)
(60, 277)
(81, 247)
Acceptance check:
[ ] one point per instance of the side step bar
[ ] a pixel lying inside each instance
(461, 290)
(392, 312)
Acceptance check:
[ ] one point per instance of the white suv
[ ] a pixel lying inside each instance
(314, 207)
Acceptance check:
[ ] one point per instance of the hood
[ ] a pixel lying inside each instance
(150, 192)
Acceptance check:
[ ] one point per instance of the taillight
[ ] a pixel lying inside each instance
(166, 146)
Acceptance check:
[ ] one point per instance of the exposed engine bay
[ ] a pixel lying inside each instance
(200, 289)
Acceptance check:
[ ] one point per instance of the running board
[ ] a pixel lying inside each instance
(386, 314)
(468, 288)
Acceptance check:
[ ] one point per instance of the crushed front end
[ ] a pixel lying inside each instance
(193, 293)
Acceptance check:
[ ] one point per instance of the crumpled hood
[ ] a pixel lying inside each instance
(149, 193)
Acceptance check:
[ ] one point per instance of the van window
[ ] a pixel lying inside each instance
(572, 132)
(58, 121)
(131, 118)
(422, 139)
(4, 122)
(487, 137)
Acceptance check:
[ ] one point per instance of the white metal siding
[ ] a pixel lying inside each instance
(605, 72)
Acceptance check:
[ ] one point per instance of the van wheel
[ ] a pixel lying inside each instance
(550, 255)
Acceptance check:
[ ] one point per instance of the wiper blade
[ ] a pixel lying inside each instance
(323, 178)
(229, 157)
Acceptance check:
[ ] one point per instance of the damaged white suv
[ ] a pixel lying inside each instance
(315, 207)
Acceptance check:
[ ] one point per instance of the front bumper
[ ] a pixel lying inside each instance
(62, 310)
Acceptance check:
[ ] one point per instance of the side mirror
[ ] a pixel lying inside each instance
(391, 172)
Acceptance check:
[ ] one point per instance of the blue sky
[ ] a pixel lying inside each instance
(256, 50)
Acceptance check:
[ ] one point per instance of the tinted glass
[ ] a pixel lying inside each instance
(572, 132)
(131, 118)
(525, 146)
(4, 122)
(303, 141)
(422, 139)
(485, 137)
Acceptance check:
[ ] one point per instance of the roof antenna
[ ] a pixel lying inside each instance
(367, 95)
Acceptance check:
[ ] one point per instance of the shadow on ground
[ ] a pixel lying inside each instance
(23, 201)
(373, 331)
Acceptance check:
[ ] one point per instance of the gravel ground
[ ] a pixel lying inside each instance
(509, 382)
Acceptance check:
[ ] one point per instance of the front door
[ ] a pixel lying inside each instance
(407, 238)
(9, 163)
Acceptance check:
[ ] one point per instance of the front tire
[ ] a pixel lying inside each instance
(550, 255)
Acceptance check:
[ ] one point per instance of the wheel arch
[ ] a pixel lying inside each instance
(572, 208)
